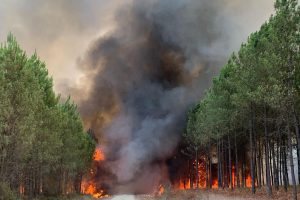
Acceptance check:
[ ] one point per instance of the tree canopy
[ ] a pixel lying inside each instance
(43, 146)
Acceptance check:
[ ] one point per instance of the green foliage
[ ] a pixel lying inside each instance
(42, 141)
(264, 73)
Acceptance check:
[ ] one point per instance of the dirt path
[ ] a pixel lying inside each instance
(222, 197)
(243, 194)
(179, 197)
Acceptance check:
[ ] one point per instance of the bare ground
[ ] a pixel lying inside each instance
(243, 194)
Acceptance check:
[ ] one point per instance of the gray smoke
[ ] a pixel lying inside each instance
(143, 77)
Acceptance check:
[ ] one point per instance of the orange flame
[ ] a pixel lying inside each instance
(89, 187)
(248, 181)
(161, 190)
(99, 155)
(184, 185)
(185, 182)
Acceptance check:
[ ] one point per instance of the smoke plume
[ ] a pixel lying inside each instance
(142, 76)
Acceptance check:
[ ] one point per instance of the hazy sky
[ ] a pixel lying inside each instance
(61, 30)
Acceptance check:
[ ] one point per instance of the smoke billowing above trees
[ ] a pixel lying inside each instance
(141, 77)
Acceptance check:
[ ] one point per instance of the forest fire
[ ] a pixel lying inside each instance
(88, 185)
(189, 180)
(90, 189)
(98, 183)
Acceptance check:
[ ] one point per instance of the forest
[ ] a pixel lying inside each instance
(250, 115)
(244, 132)
(44, 149)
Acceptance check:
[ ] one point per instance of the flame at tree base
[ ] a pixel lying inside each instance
(89, 188)
(88, 184)
(187, 179)
(91, 184)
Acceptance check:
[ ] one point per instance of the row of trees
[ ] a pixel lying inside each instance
(43, 147)
(252, 109)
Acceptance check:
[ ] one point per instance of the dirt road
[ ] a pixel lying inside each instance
(180, 197)
(208, 195)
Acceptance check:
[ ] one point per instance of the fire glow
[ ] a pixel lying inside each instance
(186, 183)
(91, 187)
(88, 184)
(99, 155)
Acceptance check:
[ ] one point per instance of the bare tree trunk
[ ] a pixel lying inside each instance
(222, 163)
(280, 168)
(271, 164)
(291, 161)
(225, 165)
(259, 164)
(275, 169)
(237, 177)
(298, 140)
(262, 168)
(209, 166)
(210, 172)
(191, 174)
(252, 169)
(197, 168)
(244, 171)
(219, 165)
(278, 155)
(268, 181)
(229, 163)
(207, 184)
(285, 173)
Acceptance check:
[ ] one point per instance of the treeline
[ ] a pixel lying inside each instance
(43, 147)
(252, 109)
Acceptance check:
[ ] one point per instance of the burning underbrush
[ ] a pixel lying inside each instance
(182, 175)
(89, 184)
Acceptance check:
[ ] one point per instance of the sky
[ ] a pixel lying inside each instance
(62, 30)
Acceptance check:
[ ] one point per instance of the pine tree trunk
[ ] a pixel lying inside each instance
(280, 166)
(207, 171)
(226, 176)
(222, 163)
(191, 174)
(219, 166)
(275, 170)
(229, 163)
(255, 147)
(285, 174)
(278, 156)
(298, 142)
(244, 171)
(271, 164)
(252, 170)
(197, 168)
(262, 167)
(237, 177)
(259, 164)
(210, 173)
(291, 161)
(268, 181)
